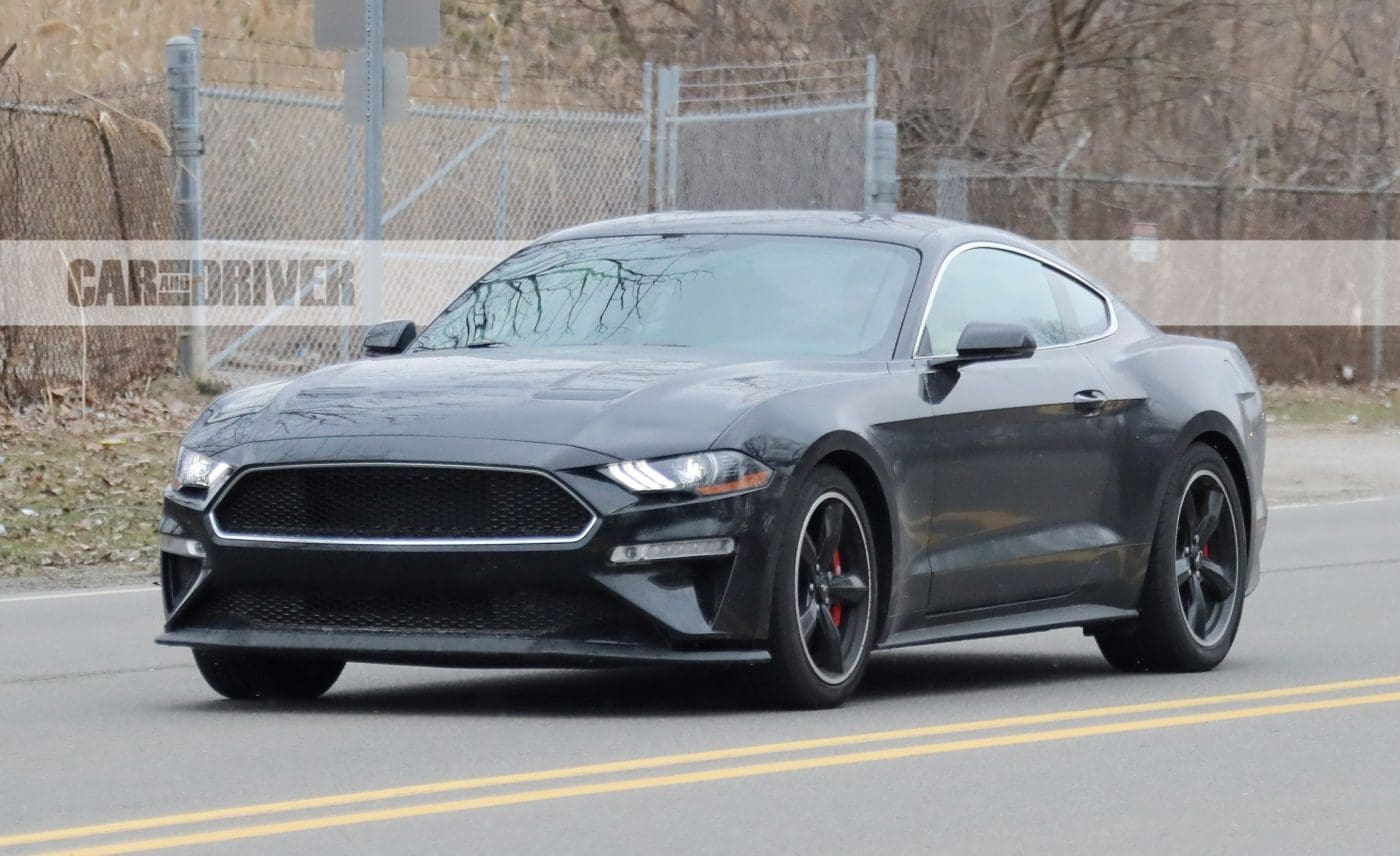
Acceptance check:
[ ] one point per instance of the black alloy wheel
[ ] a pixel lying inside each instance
(824, 598)
(1207, 557)
(1193, 592)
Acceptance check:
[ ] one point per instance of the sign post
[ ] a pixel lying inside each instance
(376, 91)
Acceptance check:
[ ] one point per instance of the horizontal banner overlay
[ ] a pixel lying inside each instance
(351, 283)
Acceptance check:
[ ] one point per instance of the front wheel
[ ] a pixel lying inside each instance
(264, 676)
(1193, 594)
(823, 620)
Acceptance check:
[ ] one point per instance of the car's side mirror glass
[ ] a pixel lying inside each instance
(983, 340)
(389, 337)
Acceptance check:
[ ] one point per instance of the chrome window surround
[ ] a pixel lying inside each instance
(219, 533)
(1036, 257)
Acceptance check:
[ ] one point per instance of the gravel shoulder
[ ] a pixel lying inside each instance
(1311, 463)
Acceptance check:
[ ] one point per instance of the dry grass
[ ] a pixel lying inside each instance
(1359, 407)
(563, 54)
(90, 44)
(82, 486)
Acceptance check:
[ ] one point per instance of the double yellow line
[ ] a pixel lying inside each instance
(1240, 706)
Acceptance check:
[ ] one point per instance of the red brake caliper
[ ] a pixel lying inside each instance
(836, 608)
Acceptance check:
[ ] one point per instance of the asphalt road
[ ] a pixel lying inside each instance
(109, 744)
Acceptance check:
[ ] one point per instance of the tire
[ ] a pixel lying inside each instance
(1192, 597)
(264, 676)
(825, 582)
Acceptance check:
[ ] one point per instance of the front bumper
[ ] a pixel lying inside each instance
(474, 605)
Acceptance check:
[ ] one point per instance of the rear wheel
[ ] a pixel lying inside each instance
(257, 676)
(1193, 596)
(823, 620)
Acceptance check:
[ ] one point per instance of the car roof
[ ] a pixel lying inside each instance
(920, 231)
(908, 229)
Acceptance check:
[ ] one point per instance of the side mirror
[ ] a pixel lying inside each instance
(986, 341)
(389, 337)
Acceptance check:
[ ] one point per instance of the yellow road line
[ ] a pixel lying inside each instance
(725, 773)
(651, 763)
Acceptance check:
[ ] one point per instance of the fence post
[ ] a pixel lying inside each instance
(644, 179)
(503, 162)
(886, 168)
(673, 100)
(1221, 252)
(1380, 227)
(187, 144)
(870, 180)
(659, 202)
(352, 165)
(374, 159)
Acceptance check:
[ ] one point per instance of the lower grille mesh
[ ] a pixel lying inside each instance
(521, 613)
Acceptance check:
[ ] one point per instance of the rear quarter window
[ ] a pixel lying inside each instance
(1085, 311)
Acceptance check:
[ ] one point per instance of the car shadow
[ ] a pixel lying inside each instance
(931, 672)
(692, 691)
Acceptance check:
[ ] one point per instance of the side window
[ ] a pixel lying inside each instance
(995, 286)
(1085, 312)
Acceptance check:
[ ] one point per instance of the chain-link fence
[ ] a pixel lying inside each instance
(1068, 206)
(781, 135)
(283, 165)
(88, 168)
(281, 169)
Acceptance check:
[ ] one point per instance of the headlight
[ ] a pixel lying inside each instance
(702, 474)
(199, 471)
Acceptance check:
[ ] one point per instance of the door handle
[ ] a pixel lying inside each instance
(1089, 402)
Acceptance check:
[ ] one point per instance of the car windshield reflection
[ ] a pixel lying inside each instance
(782, 295)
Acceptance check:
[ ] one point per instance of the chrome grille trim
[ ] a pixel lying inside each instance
(211, 515)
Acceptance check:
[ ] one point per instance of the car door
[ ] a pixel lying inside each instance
(1020, 457)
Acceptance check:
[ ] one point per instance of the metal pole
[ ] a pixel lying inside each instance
(352, 169)
(503, 164)
(1219, 286)
(187, 145)
(886, 166)
(374, 159)
(644, 180)
(870, 80)
(1380, 228)
(662, 146)
(673, 98)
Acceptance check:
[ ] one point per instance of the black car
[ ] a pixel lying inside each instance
(781, 439)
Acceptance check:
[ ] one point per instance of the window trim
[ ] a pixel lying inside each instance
(1033, 256)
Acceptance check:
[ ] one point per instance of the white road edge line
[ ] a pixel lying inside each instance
(1329, 504)
(65, 595)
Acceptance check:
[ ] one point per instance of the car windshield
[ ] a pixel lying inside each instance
(769, 294)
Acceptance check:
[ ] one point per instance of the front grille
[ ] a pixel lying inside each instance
(400, 502)
(512, 613)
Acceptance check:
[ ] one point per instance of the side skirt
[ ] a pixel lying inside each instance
(1081, 615)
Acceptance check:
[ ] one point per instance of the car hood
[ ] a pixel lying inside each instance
(623, 403)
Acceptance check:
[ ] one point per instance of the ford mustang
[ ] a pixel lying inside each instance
(782, 439)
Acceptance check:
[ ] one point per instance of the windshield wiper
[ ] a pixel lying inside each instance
(486, 343)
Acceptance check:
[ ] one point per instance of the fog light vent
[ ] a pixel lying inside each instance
(177, 574)
(665, 551)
